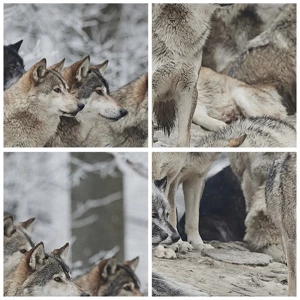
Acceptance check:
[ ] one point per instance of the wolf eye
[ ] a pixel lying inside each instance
(154, 215)
(99, 92)
(127, 288)
(167, 215)
(12, 67)
(57, 279)
(57, 90)
(23, 251)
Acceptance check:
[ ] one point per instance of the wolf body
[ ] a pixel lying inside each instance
(42, 274)
(281, 208)
(13, 64)
(32, 107)
(109, 278)
(17, 242)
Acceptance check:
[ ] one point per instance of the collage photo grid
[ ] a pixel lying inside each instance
(173, 168)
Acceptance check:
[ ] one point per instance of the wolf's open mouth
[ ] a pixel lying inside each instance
(71, 114)
(112, 119)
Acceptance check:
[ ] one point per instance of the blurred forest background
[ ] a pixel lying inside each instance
(95, 201)
(117, 32)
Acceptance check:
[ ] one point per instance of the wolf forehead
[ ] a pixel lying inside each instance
(19, 239)
(58, 78)
(131, 275)
(94, 80)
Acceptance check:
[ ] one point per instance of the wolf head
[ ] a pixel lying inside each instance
(89, 86)
(16, 242)
(47, 89)
(13, 64)
(42, 274)
(115, 279)
(162, 230)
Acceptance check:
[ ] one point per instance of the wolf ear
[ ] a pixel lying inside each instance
(62, 252)
(107, 267)
(238, 141)
(58, 67)
(38, 71)
(161, 184)
(36, 256)
(9, 227)
(17, 45)
(101, 67)
(83, 68)
(133, 263)
(27, 224)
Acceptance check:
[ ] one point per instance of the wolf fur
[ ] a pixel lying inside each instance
(179, 32)
(33, 105)
(281, 208)
(253, 132)
(17, 242)
(109, 278)
(252, 171)
(270, 58)
(232, 29)
(223, 99)
(42, 274)
(13, 64)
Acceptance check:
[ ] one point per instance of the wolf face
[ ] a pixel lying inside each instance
(16, 242)
(89, 86)
(13, 64)
(162, 230)
(48, 274)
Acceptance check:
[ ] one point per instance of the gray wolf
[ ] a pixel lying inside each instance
(179, 32)
(223, 99)
(163, 232)
(17, 242)
(110, 278)
(42, 274)
(222, 210)
(281, 208)
(191, 170)
(13, 64)
(232, 29)
(131, 130)
(270, 58)
(253, 132)
(251, 169)
(33, 105)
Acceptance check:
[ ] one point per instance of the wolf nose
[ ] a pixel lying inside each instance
(123, 112)
(80, 106)
(175, 237)
(163, 235)
(84, 294)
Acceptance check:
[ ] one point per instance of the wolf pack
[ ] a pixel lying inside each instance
(53, 106)
(229, 68)
(30, 270)
(268, 184)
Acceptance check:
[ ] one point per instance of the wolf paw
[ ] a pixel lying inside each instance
(162, 252)
(182, 247)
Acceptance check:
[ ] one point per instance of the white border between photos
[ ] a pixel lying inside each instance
(150, 150)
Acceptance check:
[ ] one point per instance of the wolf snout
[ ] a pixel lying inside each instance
(175, 237)
(163, 236)
(123, 112)
(84, 294)
(81, 107)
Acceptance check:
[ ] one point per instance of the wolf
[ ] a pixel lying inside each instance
(109, 278)
(191, 170)
(42, 274)
(163, 232)
(270, 58)
(223, 99)
(253, 132)
(281, 208)
(251, 169)
(179, 32)
(17, 242)
(131, 130)
(32, 107)
(232, 29)
(13, 64)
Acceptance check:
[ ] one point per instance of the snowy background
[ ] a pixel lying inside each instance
(117, 32)
(95, 201)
